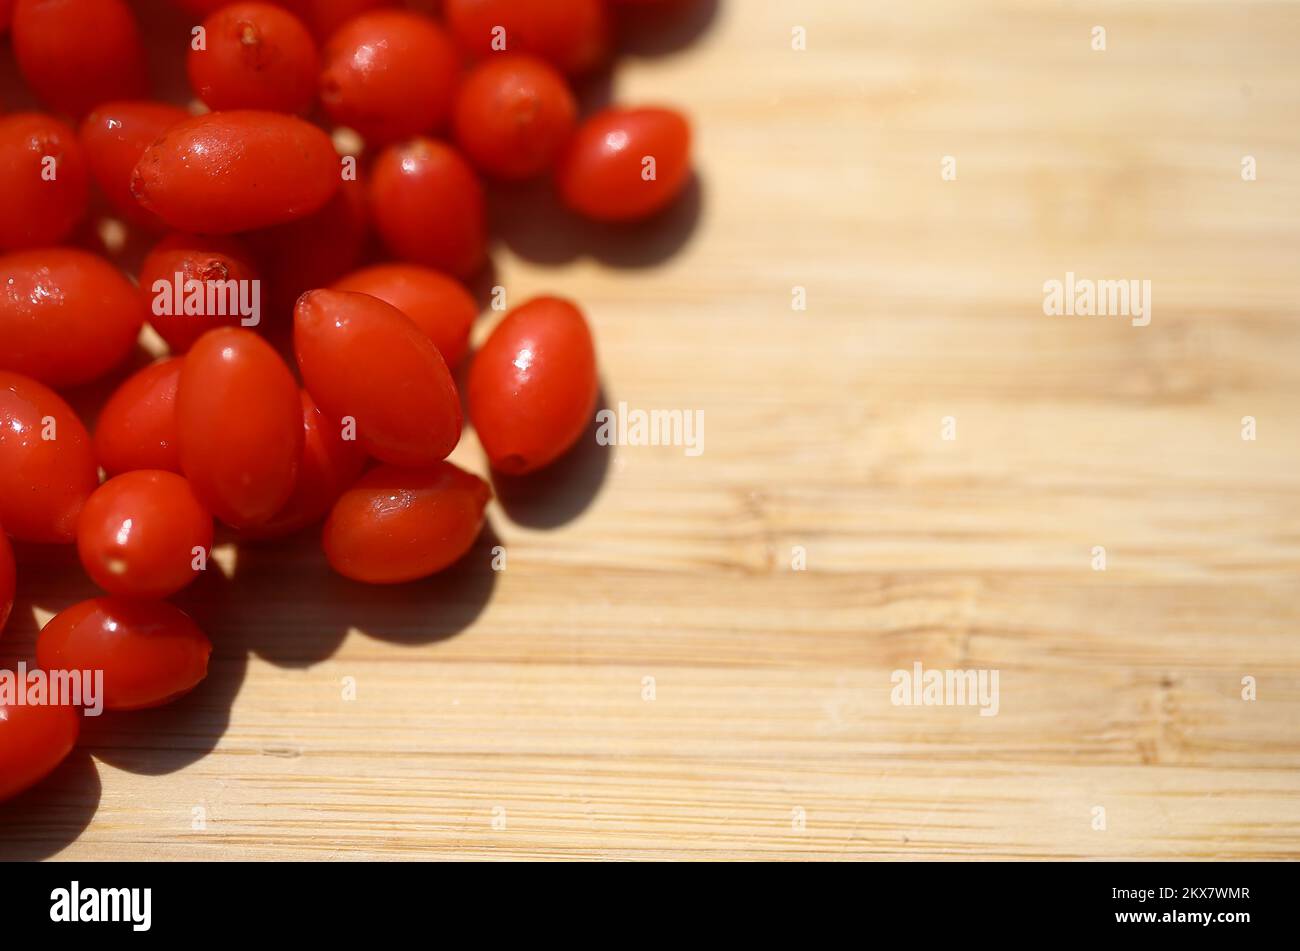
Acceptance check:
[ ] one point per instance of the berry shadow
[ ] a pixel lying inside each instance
(660, 29)
(88, 400)
(285, 604)
(594, 91)
(271, 604)
(165, 28)
(482, 287)
(169, 738)
(50, 578)
(44, 820)
(421, 612)
(562, 491)
(14, 94)
(531, 220)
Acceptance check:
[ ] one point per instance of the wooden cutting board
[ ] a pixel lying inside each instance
(651, 675)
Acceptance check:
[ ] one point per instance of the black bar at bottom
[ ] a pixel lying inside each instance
(1218, 901)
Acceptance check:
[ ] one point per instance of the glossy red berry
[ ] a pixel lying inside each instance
(573, 35)
(330, 463)
(43, 179)
(389, 74)
(76, 54)
(137, 427)
(114, 137)
(513, 115)
(240, 420)
(255, 56)
(143, 534)
(437, 304)
(66, 316)
(196, 283)
(626, 164)
(428, 206)
(47, 468)
(151, 652)
(34, 739)
(533, 385)
(233, 171)
(365, 360)
(397, 524)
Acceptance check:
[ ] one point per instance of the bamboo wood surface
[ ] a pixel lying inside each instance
(505, 714)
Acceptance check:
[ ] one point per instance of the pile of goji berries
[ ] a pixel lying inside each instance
(349, 424)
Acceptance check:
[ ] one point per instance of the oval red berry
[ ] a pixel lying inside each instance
(66, 316)
(150, 652)
(47, 468)
(43, 179)
(115, 136)
(533, 385)
(513, 115)
(196, 283)
(255, 56)
(137, 427)
(573, 35)
(76, 54)
(398, 524)
(626, 164)
(429, 207)
(365, 360)
(34, 739)
(233, 171)
(240, 421)
(389, 74)
(437, 304)
(143, 534)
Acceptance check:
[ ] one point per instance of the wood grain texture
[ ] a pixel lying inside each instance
(501, 714)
